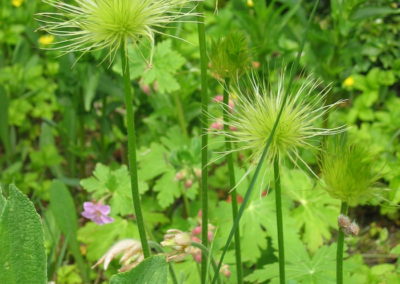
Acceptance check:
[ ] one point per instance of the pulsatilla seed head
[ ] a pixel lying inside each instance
(257, 108)
(89, 25)
(348, 172)
(230, 56)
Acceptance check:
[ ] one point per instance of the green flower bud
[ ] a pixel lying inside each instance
(230, 56)
(348, 173)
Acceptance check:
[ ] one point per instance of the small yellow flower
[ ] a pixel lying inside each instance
(250, 3)
(17, 3)
(46, 39)
(348, 82)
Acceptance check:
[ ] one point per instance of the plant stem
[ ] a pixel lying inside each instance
(279, 221)
(205, 251)
(232, 183)
(160, 249)
(340, 244)
(132, 151)
(204, 138)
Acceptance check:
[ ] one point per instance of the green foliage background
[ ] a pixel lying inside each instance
(63, 139)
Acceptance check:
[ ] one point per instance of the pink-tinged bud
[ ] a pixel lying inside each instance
(218, 98)
(264, 193)
(197, 172)
(188, 183)
(180, 175)
(196, 239)
(197, 257)
(217, 125)
(145, 88)
(233, 128)
(256, 64)
(197, 230)
(225, 270)
(200, 213)
(210, 236)
(344, 221)
(231, 105)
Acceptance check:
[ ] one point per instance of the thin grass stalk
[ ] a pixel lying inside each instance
(264, 153)
(279, 221)
(204, 138)
(232, 183)
(157, 247)
(132, 151)
(340, 243)
(206, 252)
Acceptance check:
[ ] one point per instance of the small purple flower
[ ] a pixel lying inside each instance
(97, 212)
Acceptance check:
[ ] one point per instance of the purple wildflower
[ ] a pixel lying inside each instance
(97, 212)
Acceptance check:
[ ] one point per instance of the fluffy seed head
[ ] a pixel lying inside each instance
(257, 109)
(96, 24)
(348, 172)
(230, 55)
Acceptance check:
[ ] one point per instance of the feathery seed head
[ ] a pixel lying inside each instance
(96, 24)
(258, 107)
(348, 173)
(230, 55)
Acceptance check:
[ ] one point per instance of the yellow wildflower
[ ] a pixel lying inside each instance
(348, 82)
(46, 39)
(250, 3)
(17, 3)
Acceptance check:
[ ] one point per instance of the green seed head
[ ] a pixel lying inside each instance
(97, 24)
(348, 172)
(258, 107)
(230, 56)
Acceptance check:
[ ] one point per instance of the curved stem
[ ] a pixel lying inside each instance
(279, 221)
(232, 183)
(340, 244)
(204, 138)
(205, 251)
(132, 151)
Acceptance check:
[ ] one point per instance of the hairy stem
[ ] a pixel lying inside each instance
(232, 183)
(279, 221)
(340, 244)
(204, 138)
(132, 152)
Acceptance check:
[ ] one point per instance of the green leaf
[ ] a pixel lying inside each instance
(152, 270)
(116, 183)
(22, 253)
(100, 238)
(168, 189)
(63, 208)
(166, 62)
(4, 121)
(316, 212)
(152, 162)
(367, 12)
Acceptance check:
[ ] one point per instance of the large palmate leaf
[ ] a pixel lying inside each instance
(316, 211)
(115, 183)
(22, 253)
(153, 270)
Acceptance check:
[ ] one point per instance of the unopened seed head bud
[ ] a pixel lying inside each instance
(180, 175)
(354, 229)
(188, 183)
(344, 221)
(225, 270)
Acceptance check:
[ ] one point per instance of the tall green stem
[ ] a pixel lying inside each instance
(232, 183)
(279, 221)
(340, 244)
(132, 151)
(204, 138)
